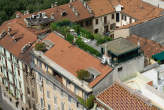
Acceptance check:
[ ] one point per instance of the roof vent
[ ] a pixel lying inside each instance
(90, 11)
(26, 47)
(49, 44)
(94, 72)
(33, 16)
(26, 12)
(17, 16)
(76, 13)
(3, 34)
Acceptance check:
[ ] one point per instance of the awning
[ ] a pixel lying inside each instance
(159, 56)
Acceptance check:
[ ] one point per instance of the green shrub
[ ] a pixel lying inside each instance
(82, 74)
(86, 47)
(40, 47)
(85, 33)
(70, 38)
(82, 101)
(90, 101)
(101, 39)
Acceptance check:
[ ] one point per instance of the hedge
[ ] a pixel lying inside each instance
(70, 38)
(88, 103)
(86, 47)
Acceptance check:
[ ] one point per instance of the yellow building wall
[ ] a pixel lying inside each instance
(55, 93)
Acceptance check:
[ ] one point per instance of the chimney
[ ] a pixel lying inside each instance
(17, 16)
(52, 5)
(56, 4)
(105, 50)
(52, 16)
(9, 29)
(73, 9)
(72, 1)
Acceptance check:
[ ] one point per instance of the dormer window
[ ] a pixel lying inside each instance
(64, 13)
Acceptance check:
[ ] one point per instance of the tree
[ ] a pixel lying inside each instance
(40, 47)
(9, 7)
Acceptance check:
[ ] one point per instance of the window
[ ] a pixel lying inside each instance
(119, 69)
(20, 84)
(117, 17)
(41, 102)
(122, 17)
(28, 90)
(81, 24)
(112, 16)
(49, 107)
(97, 21)
(96, 31)
(48, 94)
(105, 19)
(125, 18)
(61, 92)
(87, 23)
(55, 100)
(62, 106)
(40, 86)
(69, 98)
(33, 94)
(130, 20)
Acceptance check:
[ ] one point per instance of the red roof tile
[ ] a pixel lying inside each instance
(73, 58)
(148, 46)
(22, 34)
(119, 98)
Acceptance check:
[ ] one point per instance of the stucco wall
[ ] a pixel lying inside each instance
(121, 33)
(129, 68)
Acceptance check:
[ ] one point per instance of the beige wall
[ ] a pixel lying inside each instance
(54, 91)
(110, 20)
(121, 33)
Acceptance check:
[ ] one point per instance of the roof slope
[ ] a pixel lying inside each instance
(148, 46)
(119, 98)
(73, 58)
(140, 10)
(152, 30)
(12, 46)
(100, 7)
(134, 8)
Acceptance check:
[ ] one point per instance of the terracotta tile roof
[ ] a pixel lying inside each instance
(56, 11)
(78, 5)
(134, 8)
(73, 59)
(139, 9)
(22, 35)
(100, 7)
(120, 98)
(148, 46)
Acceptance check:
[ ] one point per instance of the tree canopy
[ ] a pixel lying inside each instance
(9, 7)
